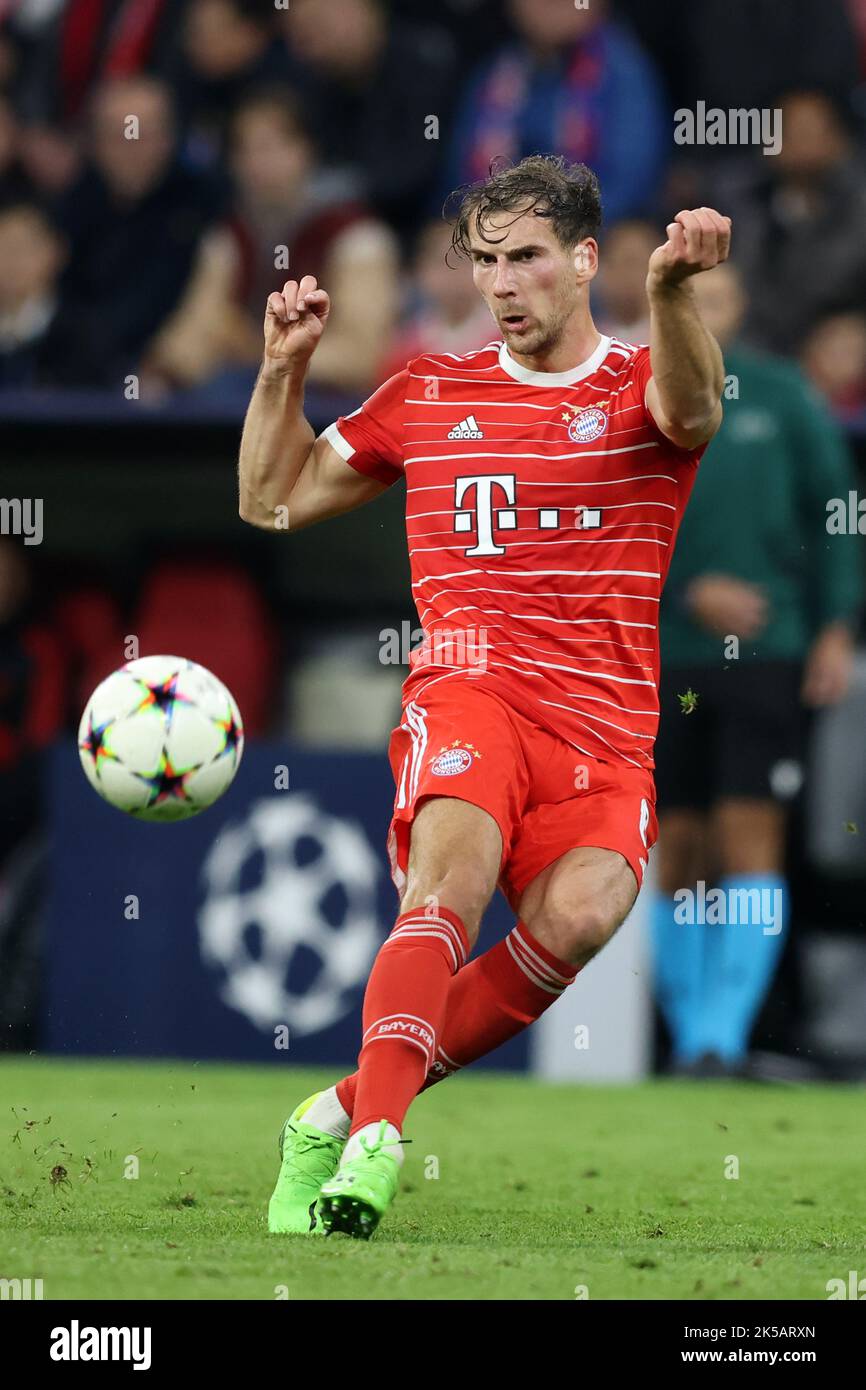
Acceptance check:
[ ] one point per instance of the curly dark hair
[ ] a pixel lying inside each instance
(546, 184)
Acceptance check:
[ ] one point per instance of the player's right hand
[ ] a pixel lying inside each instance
(727, 606)
(294, 322)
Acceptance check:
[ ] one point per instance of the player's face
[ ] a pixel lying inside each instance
(529, 281)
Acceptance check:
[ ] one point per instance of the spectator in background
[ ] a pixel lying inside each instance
(368, 87)
(11, 46)
(743, 53)
(40, 344)
(37, 147)
(857, 15)
(445, 313)
(88, 43)
(134, 223)
(475, 26)
(739, 53)
(834, 359)
(620, 285)
(757, 621)
(228, 47)
(50, 158)
(801, 219)
(576, 82)
(286, 208)
(13, 180)
(35, 158)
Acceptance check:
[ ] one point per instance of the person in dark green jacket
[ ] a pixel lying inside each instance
(756, 625)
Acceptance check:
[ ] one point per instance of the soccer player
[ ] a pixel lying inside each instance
(546, 475)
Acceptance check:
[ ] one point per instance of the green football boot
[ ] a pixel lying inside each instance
(356, 1198)
(309, 1158)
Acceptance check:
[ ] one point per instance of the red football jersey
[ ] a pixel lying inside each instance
(541, 514)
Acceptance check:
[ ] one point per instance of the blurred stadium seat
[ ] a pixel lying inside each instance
(213, 614)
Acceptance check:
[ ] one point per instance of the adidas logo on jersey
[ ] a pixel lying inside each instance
(467, 429)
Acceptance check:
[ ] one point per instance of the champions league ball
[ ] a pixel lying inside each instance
(161, 738)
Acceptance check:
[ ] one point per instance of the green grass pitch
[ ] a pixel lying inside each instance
(512, 1189)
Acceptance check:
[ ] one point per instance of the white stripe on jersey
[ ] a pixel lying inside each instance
(461, 405)
(469, 454)
(521, 593)
(521, 545)
(575, 671)
(457, 574)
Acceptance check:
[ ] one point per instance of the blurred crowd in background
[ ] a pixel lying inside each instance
(165, 164)
(155, 155)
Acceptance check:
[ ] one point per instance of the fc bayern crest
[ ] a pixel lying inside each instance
(589, 424)
(450, 762)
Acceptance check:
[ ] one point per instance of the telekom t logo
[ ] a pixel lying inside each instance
(498, 509)
(483, 511)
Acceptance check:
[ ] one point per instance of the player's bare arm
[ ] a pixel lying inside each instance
(683, 395)
(288, 479)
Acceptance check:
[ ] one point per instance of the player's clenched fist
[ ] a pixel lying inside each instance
(697, 240)
(294, 323)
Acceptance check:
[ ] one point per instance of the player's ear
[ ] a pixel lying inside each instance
(586, 258)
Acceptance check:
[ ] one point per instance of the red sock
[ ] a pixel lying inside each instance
(492, 999)
(404, 1006)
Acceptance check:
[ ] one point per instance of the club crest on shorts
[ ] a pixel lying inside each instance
(587, 425)
(454, 758)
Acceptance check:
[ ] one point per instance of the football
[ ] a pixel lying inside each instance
(161, 738)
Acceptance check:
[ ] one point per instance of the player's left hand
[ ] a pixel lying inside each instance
(697, 240)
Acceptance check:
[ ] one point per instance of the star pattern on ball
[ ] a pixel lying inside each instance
(233, 731)
(162, 695)
(94, 743)
(167, 783)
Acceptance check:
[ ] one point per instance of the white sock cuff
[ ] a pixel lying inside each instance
(327, 1114)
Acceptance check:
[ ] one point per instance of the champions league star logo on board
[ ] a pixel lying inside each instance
(289, 920)
(585, 425)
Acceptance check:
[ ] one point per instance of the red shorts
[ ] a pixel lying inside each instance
(457, 739)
